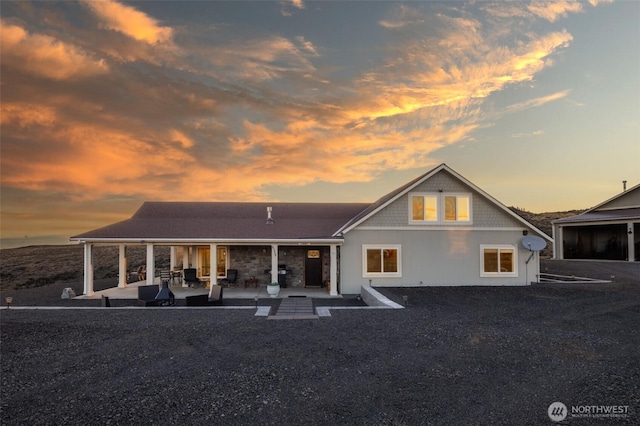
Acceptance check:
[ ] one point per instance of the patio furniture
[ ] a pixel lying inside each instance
(147, 295)
(197, 300)
(191, 277)
(215, 295)
(232, 277)
(165, 276)
(176, 277)
(252, 281)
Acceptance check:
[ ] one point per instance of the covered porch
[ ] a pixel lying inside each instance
(309, 267)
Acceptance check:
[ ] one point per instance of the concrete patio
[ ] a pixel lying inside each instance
(239, 292)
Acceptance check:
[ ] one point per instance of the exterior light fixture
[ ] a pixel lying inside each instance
(9, 301)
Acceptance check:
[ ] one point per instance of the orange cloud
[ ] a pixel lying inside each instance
(129, 21)
(45, 56)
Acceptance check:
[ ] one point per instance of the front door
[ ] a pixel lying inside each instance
(313, 268)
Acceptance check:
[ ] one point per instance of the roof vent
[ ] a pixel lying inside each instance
(269, 218)
(624, 185)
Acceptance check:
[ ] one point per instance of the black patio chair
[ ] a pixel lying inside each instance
(191, 277)
(232, 277)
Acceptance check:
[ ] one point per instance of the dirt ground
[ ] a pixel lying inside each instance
(455, 355)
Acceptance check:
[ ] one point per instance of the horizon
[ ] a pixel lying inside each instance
(109, 104)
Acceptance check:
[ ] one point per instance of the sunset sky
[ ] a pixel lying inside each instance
(107, 104)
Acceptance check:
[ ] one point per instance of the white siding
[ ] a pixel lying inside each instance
(433, 258)
(484, 212)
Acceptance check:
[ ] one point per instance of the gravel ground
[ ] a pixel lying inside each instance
(482, 355)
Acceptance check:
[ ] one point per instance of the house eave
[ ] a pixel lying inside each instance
(200, 241)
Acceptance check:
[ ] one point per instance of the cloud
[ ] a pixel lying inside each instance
(221, 113)
(537, 102)
(44, 56)
(552, 11)
(129, 21)
(401, 16)
(297, 4)
(527, 135)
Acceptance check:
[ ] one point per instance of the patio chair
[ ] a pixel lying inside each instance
(191, 277)
(232, 277)
(165, 276)
(147, 295)
(215, 295)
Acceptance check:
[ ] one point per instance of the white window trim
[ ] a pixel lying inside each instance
(366, 247)
(499, 247)
(440, 208)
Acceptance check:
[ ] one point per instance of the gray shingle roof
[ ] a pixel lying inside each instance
(602, 215)
(229, 221)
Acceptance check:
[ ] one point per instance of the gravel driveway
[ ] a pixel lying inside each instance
(454, 356)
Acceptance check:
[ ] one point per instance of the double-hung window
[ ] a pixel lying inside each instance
(498, 261)
(381, 261)
(439, 208)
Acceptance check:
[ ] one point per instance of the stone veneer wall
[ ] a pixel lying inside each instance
(254, 260)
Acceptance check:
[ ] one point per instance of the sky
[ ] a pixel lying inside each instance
(107, 104)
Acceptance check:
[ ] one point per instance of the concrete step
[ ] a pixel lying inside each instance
(295, 308)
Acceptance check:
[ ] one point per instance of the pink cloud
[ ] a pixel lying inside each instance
(129, 21)
(45, 56)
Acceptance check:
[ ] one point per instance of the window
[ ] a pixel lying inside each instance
(425, 208)
(498, 261)
(381, 261)
(205, 264)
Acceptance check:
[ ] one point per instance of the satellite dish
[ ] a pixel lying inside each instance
(533, 243)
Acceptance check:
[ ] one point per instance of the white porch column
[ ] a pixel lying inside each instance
(213, 262)
(333, 270)
(185, 257)
(274, 263)
(151, 265)
(88, 270)
(122, 266)
(172, 258)
(558, 243)
(631, 251)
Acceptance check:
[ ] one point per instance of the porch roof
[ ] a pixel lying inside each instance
(602, 215)
(157, 221)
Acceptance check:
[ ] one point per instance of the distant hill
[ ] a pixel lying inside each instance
(542, 221)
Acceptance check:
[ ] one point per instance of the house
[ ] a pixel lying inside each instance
(437, 230)
(608, 231)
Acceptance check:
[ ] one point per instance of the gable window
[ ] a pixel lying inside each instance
(382, 260)
(440, 208)
(499, 260)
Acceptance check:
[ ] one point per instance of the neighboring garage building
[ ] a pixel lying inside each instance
(608, 231)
